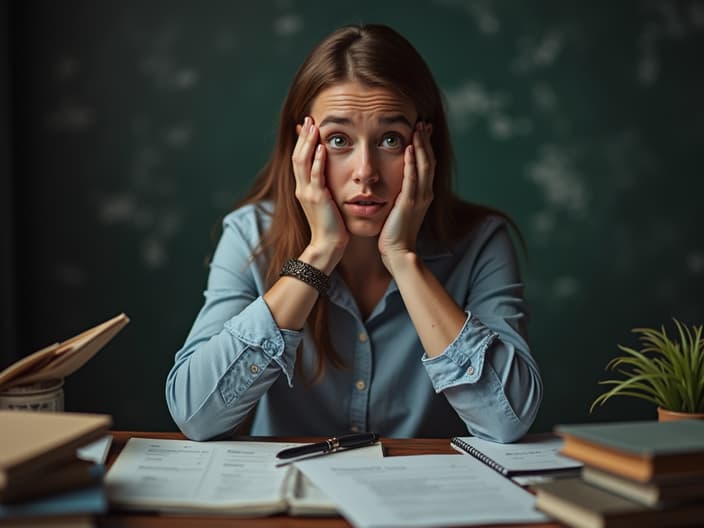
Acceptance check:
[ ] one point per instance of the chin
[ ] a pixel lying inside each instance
(364, 229)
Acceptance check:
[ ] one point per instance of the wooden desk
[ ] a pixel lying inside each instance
(392, 447)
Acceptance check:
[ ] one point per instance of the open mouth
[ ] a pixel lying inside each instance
(366, 202)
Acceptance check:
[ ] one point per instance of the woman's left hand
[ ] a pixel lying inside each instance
(400, 232)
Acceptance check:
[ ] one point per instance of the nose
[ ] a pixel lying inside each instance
(365, 167)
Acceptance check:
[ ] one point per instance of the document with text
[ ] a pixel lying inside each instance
(208, 477)
(421, 490)
(233, 478)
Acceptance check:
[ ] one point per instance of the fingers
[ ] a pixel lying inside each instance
(303, 151)
(410, 174)
(425, 158)
(419, 165)
(317, 171)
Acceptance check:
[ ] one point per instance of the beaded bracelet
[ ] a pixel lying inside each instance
(306, 273)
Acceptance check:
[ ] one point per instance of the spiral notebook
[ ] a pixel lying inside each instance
(536, 454)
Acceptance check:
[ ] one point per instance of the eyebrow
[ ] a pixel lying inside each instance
(384, 120)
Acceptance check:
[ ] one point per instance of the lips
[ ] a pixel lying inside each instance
(364, 205)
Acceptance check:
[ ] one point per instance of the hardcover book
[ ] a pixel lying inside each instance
(576, 503)
(34, 444)
(642, 451)
(656, 494)
(71, 508)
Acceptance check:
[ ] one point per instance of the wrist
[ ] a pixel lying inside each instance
(308, 274)
(324, 259)
(400, 262)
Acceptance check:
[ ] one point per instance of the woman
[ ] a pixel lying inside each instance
(351, 291)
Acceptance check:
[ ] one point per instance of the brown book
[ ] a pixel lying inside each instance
(576, 503)
(32, 443)
(656, 494)
(642, 451)
(64, 476)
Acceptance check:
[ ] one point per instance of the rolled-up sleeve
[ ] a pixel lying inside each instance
(488, 373)
(235, 350)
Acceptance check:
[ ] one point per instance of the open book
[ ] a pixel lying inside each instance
(233, 478)
(61, 359)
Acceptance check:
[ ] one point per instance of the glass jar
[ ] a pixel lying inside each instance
(41, 396)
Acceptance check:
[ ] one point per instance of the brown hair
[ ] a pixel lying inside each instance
(373, 55)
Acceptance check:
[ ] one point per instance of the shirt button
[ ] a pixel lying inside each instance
(470, 370)
(360, 385)
(354, 429)
(363, 337)
(254, 369)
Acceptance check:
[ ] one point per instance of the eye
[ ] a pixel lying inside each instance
(338, 141)
(392, 141)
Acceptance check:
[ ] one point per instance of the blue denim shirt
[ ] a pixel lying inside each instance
(486, 382)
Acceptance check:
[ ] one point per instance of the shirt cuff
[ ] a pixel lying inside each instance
(462, 361)
(255, 326)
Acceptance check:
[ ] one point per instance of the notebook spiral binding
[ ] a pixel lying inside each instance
(469, 449)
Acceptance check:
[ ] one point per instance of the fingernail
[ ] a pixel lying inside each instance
(318, 149)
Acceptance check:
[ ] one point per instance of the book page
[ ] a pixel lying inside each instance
(421, 490)
(97, 451)
(535, 455)
(305, 498)
(229, 477)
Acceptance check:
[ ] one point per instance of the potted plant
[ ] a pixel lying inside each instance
(667, 372)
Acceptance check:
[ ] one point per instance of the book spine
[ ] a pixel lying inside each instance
(471, 450)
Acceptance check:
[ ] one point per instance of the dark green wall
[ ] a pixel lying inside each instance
(7, 246)
(137, 124)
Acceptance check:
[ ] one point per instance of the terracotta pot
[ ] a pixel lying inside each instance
(670, 416)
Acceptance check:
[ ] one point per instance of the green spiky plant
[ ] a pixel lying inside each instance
(667, 372)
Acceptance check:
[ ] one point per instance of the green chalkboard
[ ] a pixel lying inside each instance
(136, 126)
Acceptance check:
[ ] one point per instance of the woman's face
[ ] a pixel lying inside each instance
(365, 131)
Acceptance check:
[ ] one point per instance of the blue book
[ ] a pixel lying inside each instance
(85, 501)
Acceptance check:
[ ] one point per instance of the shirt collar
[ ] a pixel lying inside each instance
(427, 248)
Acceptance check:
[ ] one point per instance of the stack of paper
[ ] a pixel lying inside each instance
(421, 490)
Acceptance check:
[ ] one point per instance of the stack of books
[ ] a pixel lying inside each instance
(634, 474)
(46, 477)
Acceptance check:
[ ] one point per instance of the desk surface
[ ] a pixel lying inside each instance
(392, 447)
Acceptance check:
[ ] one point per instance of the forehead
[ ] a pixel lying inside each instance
(352, 99)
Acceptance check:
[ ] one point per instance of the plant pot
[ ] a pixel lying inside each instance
(670, 416)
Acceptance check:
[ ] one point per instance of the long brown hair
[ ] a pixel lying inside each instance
(373, 55)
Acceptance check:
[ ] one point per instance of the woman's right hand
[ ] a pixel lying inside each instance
(329, 234)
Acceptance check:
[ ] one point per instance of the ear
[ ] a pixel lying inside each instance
(429, 127)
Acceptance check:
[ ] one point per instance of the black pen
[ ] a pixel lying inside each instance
(331, 444)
